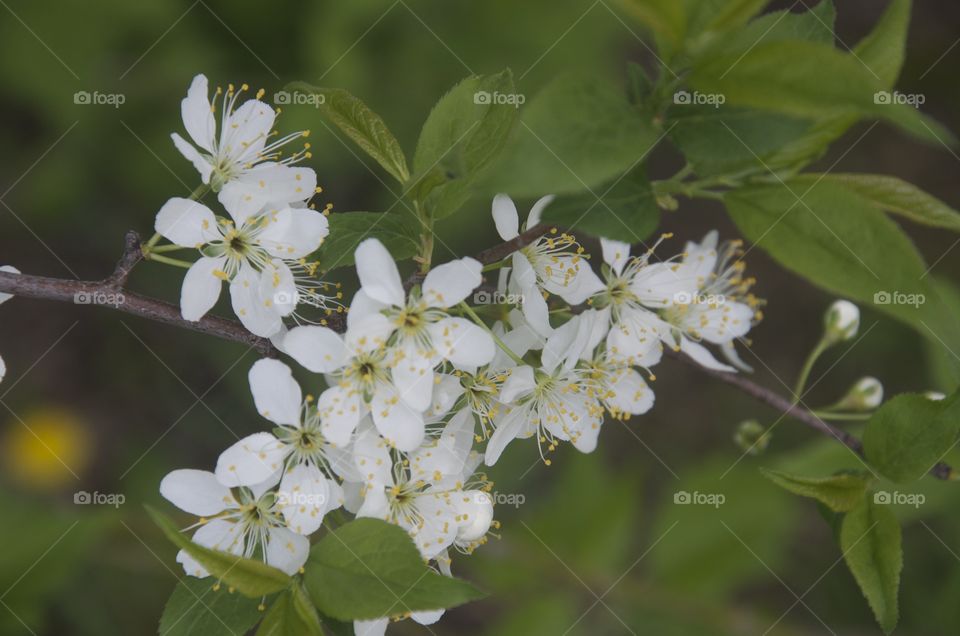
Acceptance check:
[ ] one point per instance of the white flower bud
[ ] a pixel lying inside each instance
(842, 321)
(865, 395)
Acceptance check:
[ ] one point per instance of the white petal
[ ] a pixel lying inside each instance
(520, 383)
(399, 424)
(508, 428)
(362, 306)
(505, 217)
(287, 550)
(377, 627)
(340, 411)
(187, 223)
(524, 275)
(615, 254)
(446, 390)
(305, 497)
(450, 283)
(268, 184)
(462, 342)
(4, 297)
(197, 116)
(278, 286)
(476, 512)
(257, 313)
(371, 456)
(369, 333)
(630, 394)
(664, 284)
(412, 374)
(378, 273)
(275, 392)
(200, 162)
(246, 130)
(201, 287)
(446, 455)
(582, 285)
(251, 460)
(197, 492)
(3, 369)
(702, 356)
(318, 349)
(427, 617)
(294, 233)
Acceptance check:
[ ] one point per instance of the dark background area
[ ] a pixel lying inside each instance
(122, 401)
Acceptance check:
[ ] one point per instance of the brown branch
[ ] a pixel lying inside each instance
(111, 292)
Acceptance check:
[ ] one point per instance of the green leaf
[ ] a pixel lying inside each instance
(362, 125)
(896, 196)
(291, 614)
(840, 493)
(909, 434)
(788, 77)
(249, 577)
(577, 133)
(870, 541)
(626, 210)
(667, 19)
(884, 48)
(813, 25)
(195, 609)
(369, 568)
(398, 232)
(836, 239)
(463, 134)
(713, 16)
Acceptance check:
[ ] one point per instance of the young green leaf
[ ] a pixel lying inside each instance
(398, 232)
(362, 125)
(369, 568)
(196, 609)
(896, 196)
(870, 541)
(835, 238)
(291, 614)
(807, 79)
(249, 577)
(576, 134)
(840, 493)
(909, 434)
(667, 19)
(884, 48)
(626, 210)
(812, 25)
(716, 16)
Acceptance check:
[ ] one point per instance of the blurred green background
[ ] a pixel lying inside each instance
(594, 544)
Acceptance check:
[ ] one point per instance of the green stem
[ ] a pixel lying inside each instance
(827, 415)
(807, 368)
(167, 248)
(169, 261)
(500, 343)
(493, 266)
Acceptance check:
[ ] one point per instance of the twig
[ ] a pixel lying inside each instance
(112, 289)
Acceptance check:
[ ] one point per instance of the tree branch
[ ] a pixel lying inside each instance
(112, 293)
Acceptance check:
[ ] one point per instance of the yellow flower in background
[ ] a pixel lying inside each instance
(45, 448)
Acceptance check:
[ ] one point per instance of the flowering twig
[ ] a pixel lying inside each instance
(113, 288)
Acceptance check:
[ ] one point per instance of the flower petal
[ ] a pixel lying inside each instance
(378, 273)
(702, 356)
(197, 492)
(520, 383)
(258, 314)
(305, 496)
(462, 342)
(318, 349)
(293, 233)
(199, 161)
(615, 254)
(286, 550)
(4, 297)
(505, 217)
(450, 283)
(277, 395)
(536, 212)
(397, 421)
(197, 115)
(340, 411)
(251, 460)
(201, 287)
(186, 223)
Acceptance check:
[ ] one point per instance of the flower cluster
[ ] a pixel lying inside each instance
(262, 244)
(426, 382)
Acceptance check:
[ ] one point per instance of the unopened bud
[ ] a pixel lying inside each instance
(842, 321)
(865, 395)
(751, 437)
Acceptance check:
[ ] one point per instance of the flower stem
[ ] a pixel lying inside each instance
(827, 415)
(807, 367)
(500, 343)
(169, 261)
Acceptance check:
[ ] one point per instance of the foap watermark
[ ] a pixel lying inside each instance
(499, 99)
(515, 499)
(96, 98)
(696, 98)
(84, 498)
(886, 98)
(296, 98)
(296, 498)
(109, 299)
(898, 298)
(496, 298)
(687, 298)
(896, 498)
(697, 498)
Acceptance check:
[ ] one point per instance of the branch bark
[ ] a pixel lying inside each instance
(111, 292)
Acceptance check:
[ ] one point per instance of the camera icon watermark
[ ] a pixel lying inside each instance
(514, 499)
(499, 99)
(108, 299)
(297, 498)
(898, 298)
(84, 498)
(296, 98)
(697, 498)
(483, 297)
(689, 298)
(896, 498)
(887, 98)
(696, 98)
(96, 98)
